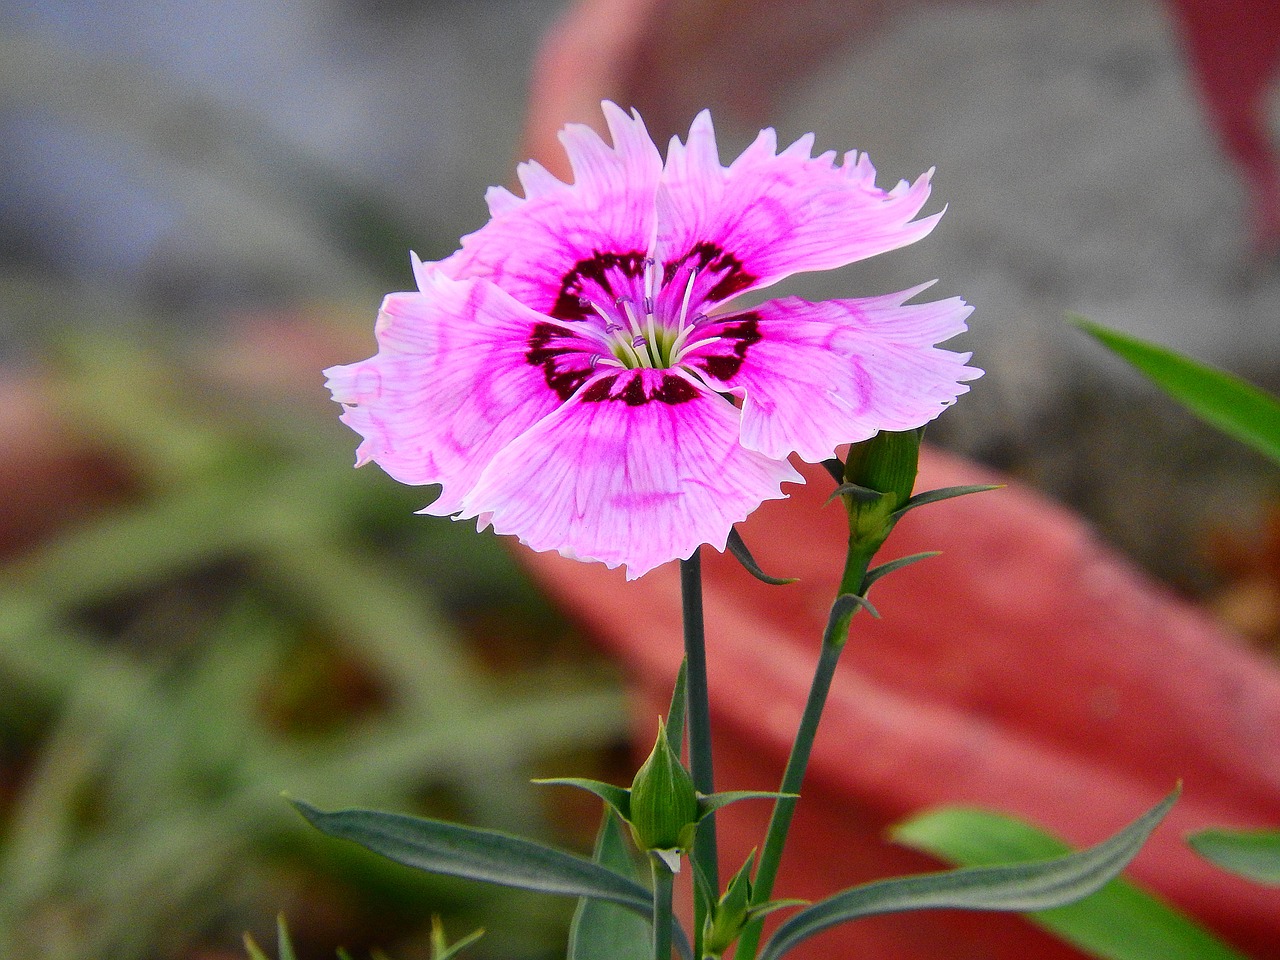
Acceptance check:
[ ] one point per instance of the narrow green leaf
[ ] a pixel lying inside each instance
(723, 799)
(857, 491)
(1253, 854)
(841, 610)
(484, 855)
(740, 552)
(251, 947)
(1234, 406)
(441, 949)
(1119, 922)
(875, 573)
(618, 798)
(284, 943)
(456, 948)
(675, 712)
(705, 895)
(1014, 887)
(602, 930)
(769, 906)
(943, 493)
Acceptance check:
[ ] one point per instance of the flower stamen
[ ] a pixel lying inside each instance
(646, 340)
(681, 345)
(705, 341)
(650, 281)
(608, 320)
(688, 294)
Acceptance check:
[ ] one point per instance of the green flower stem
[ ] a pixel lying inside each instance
(699, 711)
(663, 886)
(857, 561)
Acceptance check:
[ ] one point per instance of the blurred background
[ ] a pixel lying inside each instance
(201, 204)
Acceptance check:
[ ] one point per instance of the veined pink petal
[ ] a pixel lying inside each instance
(533, 245)
(815, 375)
(560, 377)
(456, 378)
(640, 467)
(769, 215)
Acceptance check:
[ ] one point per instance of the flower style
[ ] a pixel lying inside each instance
(571, 376)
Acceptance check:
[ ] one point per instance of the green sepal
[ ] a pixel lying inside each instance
(879, 476)
(884, 569)
(488, 856)
(1252, 854)
(618, 798)
(942, 493)
(835, 467)
(740, 552)
(664, 803)
(441, 949)
(712, 803)
(887, 463)
(605, 931)
(1020, 887)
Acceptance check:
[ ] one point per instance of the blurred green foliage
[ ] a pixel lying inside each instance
(248, 616)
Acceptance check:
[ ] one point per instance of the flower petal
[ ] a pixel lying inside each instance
(533, 246)
(640, 467)
(815, 375)
(461, 370)
(769, 215)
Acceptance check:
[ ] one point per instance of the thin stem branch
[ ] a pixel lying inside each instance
(793, 776)
(663, 886)
(698, 722)
(833, 641)
(699, 712)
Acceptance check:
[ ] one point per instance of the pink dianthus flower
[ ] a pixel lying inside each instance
(572, 376)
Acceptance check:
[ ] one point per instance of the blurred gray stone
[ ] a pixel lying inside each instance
(1079, 177)
(211, 154)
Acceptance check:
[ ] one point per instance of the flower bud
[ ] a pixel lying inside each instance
(727, 918)
(664, 803)
(887, 464)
